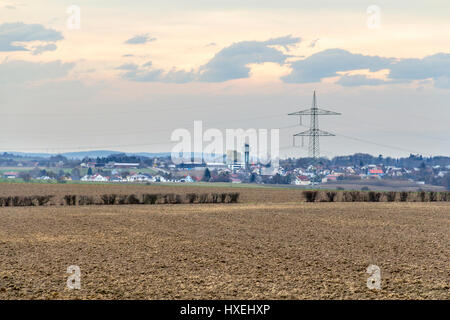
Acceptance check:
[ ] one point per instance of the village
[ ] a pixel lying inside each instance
(358, 169)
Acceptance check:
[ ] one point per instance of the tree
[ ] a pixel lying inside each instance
(25, 175)
(446, 181)
(206, 175)
(89, 172)
(75, 174)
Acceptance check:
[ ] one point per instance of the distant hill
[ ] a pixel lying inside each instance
(91, 154)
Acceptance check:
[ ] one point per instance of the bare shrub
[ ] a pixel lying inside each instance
(132, 199)
(234, 197)
(310, 195)
(21, 201)
(391, 196)
(122, 199)
(203, 198)
(331, 195)
(86, 200)
(404, 196)
(432, 196)
(7, 201)
(444, 196)
(224, 197)
(346, 196)
(149, 198)
(215, 197)
(352, 196)
(70, 199)
(374, 196)
(43, 200)
(191, 197)
(108, 198)
(423, 196)
(179, 198)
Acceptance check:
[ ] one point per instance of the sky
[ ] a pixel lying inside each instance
(123, 75)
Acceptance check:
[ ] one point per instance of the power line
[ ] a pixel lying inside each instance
(314, 132)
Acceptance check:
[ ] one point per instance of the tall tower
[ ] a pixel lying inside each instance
(247, 155)
(314, 132)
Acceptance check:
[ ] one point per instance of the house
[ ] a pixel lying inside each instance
(116, 178)
(95, 178)
(302, 181)
(377, 173)
(44, 178)
(10, 175)
(158, 178)
(186, 179)
(331, 177)
(138, 178)
(126, 165)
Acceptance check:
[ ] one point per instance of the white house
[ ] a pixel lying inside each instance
(302, 181)
(137, 177)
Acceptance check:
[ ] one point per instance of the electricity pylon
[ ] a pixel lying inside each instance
(314, 132)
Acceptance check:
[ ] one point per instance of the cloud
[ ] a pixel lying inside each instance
(127, 66)
(10, 33)
(10, 7)
(140, 39)
(287, 41)
(231, 62)
(19, 71)
(47, 47)
(128, 56)
(442, 82)
(145, 73)
(328, 62)
(359, 80)
(211, 44)
(435, 66)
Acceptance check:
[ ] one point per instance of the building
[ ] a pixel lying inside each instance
(302, 181)
(126, 165)
(10, 175)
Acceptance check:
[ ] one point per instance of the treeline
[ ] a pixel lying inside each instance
(362, 159)
(374, 196)
(119, 199)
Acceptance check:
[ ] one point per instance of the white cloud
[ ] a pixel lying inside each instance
(327, 63)
(47, 47)
(18, 32)
(140, 39)
(359, 80)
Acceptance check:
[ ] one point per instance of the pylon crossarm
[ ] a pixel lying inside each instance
(316, 132)
(319, 112)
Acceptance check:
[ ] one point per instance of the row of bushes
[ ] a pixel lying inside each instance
(374, 196)
(21, 201)
(118, 199)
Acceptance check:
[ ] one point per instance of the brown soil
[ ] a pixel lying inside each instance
(259, 250)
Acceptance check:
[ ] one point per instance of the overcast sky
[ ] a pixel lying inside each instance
(136, 70)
